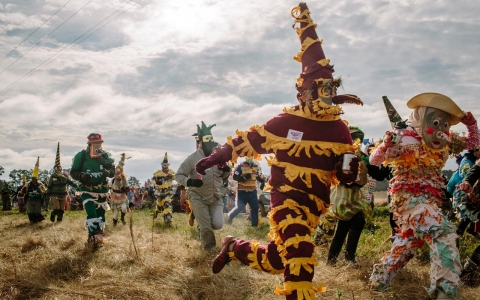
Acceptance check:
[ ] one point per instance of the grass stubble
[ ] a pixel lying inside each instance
(50, 261)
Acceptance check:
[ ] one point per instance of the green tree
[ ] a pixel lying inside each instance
(133, 182)
(2, 170)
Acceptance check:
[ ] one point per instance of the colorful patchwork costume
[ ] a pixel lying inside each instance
(118, 192)
(308, 141)
(92, 167)
(417, 153)
(164, 190)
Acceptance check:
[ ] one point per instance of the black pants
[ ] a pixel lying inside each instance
(353, 228)
(393, 224)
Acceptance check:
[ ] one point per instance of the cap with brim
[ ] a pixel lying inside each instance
(440, 102)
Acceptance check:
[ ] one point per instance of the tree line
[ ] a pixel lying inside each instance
(16, 176)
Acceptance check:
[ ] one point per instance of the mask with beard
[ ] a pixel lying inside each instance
(208, 144)
(58, 170)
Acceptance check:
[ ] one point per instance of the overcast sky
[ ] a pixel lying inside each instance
(158, 68)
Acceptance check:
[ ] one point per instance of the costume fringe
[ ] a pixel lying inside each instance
(275, 143)
(305, 289)
(321, 205)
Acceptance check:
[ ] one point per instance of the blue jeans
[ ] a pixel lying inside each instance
(244, 198)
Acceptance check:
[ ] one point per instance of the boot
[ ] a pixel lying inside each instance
(115, 221)
(52, 215)
(469, 269)
(31, 218)
(39, 218)
(60, 215)
(122, 218)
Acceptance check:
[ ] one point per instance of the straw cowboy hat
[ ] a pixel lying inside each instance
(437, 101)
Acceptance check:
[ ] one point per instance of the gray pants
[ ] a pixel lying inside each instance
(209, 217)
(34, 207)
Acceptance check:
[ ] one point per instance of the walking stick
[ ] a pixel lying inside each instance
(131, 231)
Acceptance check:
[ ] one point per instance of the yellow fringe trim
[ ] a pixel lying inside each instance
(296, 263)
(245, 147)
(295, 241)
(304, 112)
(267, 266)
(311, 223)
(293, 172)
(167, 211)
(276, 143)
(305, 44)
(322, 108)
(165, 185)
(254, 262)
(300, 31)
(253, 256)
(321, 205)
(305, 289)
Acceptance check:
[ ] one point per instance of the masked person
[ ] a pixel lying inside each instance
(118, 192)
(164, 193)
(34, 193)
(246, 174)
(6, 195)
(417, 152)
(21, 197)
(468, 195)
(57, 188)
(204, 192)
(309, 141)
(92, 167)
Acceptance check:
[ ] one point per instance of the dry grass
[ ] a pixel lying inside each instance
(50, 261)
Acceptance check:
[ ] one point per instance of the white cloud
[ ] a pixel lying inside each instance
(146, 79)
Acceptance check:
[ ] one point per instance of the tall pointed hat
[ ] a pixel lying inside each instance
(24, 179)
(57, 156)
(316, 68)
(36, 168)
(392, 113)
(204, 130)
(165, 158)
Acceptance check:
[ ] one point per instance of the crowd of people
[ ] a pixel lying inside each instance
(321, 184)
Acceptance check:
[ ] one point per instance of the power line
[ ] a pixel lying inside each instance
(35, 30)
(61, 51)
(45, 37)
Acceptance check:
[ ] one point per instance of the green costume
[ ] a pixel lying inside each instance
(92, 167)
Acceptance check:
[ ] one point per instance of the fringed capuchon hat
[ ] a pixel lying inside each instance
(57, 157)
(36, 169)
(316, 79)
(392, 113)
(165, 159)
